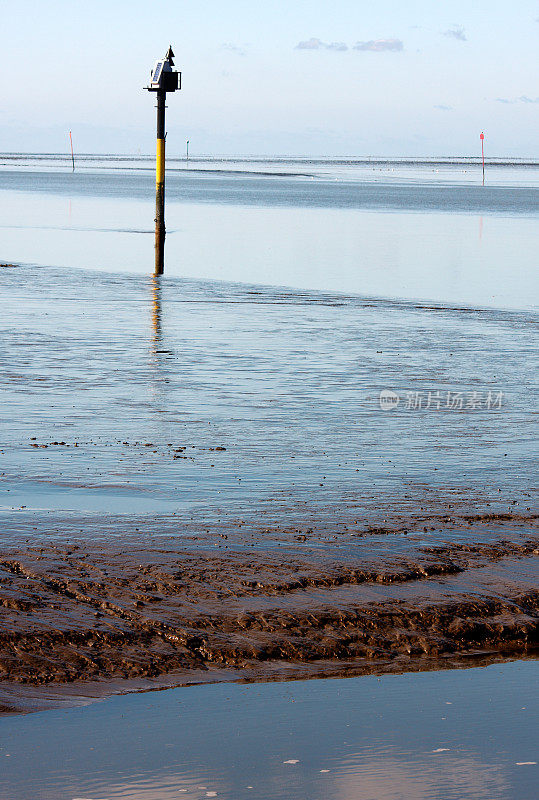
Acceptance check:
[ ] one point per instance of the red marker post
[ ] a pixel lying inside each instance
(73, 157)
(482, 137)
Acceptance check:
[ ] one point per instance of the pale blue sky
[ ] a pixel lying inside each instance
(388, 78)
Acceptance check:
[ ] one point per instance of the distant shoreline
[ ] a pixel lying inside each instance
(492, 161)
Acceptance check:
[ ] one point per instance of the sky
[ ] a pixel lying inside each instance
(294, 77)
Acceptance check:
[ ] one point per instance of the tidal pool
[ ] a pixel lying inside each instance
(429, 736)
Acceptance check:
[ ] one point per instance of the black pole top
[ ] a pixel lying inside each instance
(164, 77)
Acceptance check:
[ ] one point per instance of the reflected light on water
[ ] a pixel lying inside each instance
(421, 778)
(424, 247)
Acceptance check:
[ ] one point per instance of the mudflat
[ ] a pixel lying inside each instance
(235, 601)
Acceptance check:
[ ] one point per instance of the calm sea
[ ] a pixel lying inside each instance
(295, 293)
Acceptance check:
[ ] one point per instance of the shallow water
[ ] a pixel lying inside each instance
(113, 371)
(105, 376)
(441, 735)
(409, 231)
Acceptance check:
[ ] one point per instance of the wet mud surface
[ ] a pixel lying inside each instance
(225, 604)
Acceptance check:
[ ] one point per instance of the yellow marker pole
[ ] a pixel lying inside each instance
(160, 186)
(164, 79)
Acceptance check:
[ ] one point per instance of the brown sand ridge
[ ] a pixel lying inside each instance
(370, 600)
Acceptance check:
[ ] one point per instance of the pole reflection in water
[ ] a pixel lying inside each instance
(160, 354)
(158, 369)
(156, 314)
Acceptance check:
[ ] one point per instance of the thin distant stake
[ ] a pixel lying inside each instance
(482, 137)
(72, 156)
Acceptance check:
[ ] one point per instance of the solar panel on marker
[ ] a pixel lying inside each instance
(157, 72)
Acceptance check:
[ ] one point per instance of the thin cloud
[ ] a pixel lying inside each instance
(310, 44)
(444, 108)
(456, 32)
(234, 48)
(374, 45)
(338, 46)
(522, 99)
(318, 44)
(380, 45)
